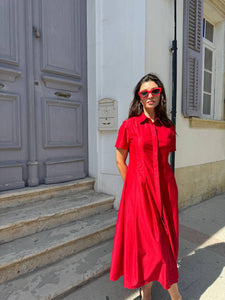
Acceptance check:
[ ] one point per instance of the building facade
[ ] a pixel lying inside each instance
(67, 67)
(128, 39)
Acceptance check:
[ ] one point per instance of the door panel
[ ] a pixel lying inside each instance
(61, 29)
(57, 133)
(61, 98)
(9, 46)
(13, 99)
(10, 121)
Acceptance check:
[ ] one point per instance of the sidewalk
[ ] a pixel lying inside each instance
(201, 260)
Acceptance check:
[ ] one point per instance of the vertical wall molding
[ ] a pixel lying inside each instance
(32, 134)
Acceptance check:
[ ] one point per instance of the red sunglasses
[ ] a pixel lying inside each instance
(154, 92)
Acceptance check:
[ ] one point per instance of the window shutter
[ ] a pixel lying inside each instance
(192, 58)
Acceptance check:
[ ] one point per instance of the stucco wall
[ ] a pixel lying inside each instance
(116, 61)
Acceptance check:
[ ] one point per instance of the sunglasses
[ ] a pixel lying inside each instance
(154, 92)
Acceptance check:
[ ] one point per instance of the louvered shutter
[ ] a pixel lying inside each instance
(192, 58)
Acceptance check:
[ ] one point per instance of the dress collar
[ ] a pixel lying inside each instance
(143, 117)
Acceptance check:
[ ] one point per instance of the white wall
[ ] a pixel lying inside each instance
(194, 146)
(92, 42)
(116, 61)
(159, 36)
(220, 68)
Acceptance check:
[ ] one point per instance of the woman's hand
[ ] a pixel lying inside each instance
(121, 156)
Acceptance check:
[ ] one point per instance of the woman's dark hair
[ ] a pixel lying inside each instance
(136, 107)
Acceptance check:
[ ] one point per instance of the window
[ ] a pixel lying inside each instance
(203, 60)
(208, 73)
(192, 58)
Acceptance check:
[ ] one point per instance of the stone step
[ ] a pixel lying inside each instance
(23, 220)
(21, 196)
(61, 278)
(40, 249)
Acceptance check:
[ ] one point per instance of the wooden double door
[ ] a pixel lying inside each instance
(43, 92)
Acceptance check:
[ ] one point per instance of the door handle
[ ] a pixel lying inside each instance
(2, 85)
(36, 32)
(64, 95)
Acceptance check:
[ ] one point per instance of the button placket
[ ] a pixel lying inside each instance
(156, 167)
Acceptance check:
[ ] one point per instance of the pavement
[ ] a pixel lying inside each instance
(201, 260)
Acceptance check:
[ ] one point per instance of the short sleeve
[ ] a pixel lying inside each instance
(122, 141)
(173, 140)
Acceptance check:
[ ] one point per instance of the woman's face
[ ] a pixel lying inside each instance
(151, 101)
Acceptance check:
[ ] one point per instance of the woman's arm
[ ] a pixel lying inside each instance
(121, 156)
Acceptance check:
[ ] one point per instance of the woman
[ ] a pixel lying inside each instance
(146, 239)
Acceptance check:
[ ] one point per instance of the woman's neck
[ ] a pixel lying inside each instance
(150, 114)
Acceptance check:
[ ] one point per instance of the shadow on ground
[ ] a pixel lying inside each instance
(199, 270)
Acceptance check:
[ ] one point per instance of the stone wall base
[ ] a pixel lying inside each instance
(200, 182)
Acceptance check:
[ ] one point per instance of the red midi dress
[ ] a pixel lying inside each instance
(146, 238)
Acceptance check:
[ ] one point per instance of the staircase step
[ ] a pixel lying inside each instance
(61, 278)
(23, 220)
(29, 253)
(20, 196)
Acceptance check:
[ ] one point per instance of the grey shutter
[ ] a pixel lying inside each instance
(192, 58)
